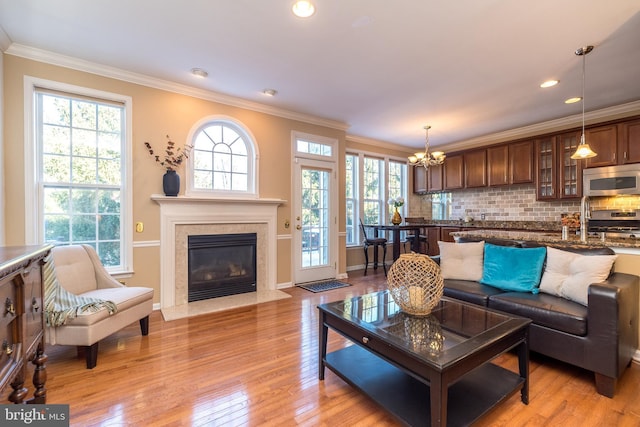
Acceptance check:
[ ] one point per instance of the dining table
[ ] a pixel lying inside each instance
(395, 233)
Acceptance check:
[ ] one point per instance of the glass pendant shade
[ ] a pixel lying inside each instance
(583, 151)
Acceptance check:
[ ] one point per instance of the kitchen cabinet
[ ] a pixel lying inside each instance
(615, 144)
(433, 236)
(629, 142)
(521, 162)
(546, 168)
(419, 180)
(510, 164)
(475, 168)
(445, 233)
(427, 180)
(498, 165)
(604, 141)
(570, 170)
(453, 172)
(558, 176)
(434, 178)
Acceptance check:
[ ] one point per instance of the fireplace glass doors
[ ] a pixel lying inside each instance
(221, 265)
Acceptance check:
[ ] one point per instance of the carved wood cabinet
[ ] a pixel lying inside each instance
(22, 322)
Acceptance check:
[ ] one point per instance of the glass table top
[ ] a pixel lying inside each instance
(452, 330)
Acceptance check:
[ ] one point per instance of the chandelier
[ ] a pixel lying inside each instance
(583, 151)
(426, 158)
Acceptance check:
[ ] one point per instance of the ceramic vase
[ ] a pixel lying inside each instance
(171, 183)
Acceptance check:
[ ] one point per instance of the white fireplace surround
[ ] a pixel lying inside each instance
(184, 216)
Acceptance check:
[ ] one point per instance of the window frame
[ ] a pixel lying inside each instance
(33, 190)
(354, 201)
(252, 159)
(384, 206)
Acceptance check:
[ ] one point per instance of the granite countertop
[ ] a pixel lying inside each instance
(550, 237)
(517, 225)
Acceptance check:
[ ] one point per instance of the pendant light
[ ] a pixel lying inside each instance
(583, 151)
(426, 158)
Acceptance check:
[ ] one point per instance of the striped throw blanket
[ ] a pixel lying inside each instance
(61, 305)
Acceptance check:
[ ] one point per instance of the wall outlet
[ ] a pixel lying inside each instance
(483, 216)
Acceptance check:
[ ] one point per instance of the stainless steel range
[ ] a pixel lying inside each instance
(616, 223)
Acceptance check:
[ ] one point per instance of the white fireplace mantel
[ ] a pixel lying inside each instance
(206, 211)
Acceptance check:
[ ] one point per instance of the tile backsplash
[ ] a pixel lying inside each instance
(514, 203)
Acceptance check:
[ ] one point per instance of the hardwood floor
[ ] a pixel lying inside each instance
(258, 366)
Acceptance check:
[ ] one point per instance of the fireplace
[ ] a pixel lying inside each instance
(221, 265)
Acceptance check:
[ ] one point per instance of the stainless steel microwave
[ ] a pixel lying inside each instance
(611, 180)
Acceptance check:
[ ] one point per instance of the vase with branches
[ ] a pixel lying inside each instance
(171, 159)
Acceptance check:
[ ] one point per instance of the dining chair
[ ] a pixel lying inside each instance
(376, 242)
(420, 234)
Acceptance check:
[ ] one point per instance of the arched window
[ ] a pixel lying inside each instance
(223, 159)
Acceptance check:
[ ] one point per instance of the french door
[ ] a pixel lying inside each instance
(315, 220)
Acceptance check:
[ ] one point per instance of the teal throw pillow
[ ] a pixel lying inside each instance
(513, 269)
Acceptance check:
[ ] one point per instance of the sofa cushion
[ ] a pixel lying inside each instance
(462, 261)
(569, 275)
(514, 269)
(469, 291)
(545, 310)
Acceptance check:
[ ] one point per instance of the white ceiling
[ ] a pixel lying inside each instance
(386, 68)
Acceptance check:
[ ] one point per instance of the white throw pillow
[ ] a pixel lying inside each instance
(462, 261)
(569, 275)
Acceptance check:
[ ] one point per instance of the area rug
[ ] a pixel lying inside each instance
(325, 285)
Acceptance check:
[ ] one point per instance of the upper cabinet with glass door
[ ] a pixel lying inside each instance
(558, 176)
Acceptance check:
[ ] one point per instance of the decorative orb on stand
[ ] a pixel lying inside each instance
(415, 283)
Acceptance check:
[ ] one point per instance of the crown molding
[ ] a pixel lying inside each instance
(378, 143)
(592, 117)
(52, 58)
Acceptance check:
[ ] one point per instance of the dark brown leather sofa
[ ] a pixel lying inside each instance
(601, 337)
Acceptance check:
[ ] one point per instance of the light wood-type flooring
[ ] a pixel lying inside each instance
(258, 366)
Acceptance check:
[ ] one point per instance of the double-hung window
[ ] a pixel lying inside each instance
(370, 181)
(374, 206)
(81, 193)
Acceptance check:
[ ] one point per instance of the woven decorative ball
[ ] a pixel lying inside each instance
(415, 283)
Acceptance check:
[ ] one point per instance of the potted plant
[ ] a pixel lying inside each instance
(172, 159)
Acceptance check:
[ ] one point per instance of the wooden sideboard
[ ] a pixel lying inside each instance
(22, 321)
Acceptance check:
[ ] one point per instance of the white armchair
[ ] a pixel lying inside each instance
(79, 271)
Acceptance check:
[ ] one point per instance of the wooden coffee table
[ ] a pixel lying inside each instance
(432, 370)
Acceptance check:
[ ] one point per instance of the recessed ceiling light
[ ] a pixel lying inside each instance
(270, 92)
(303, 8)
(199, 72)
(573, 100)
(549, 83)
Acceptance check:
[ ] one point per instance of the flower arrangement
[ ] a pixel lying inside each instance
(396, 202)
(571, 219)
(173, 157)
